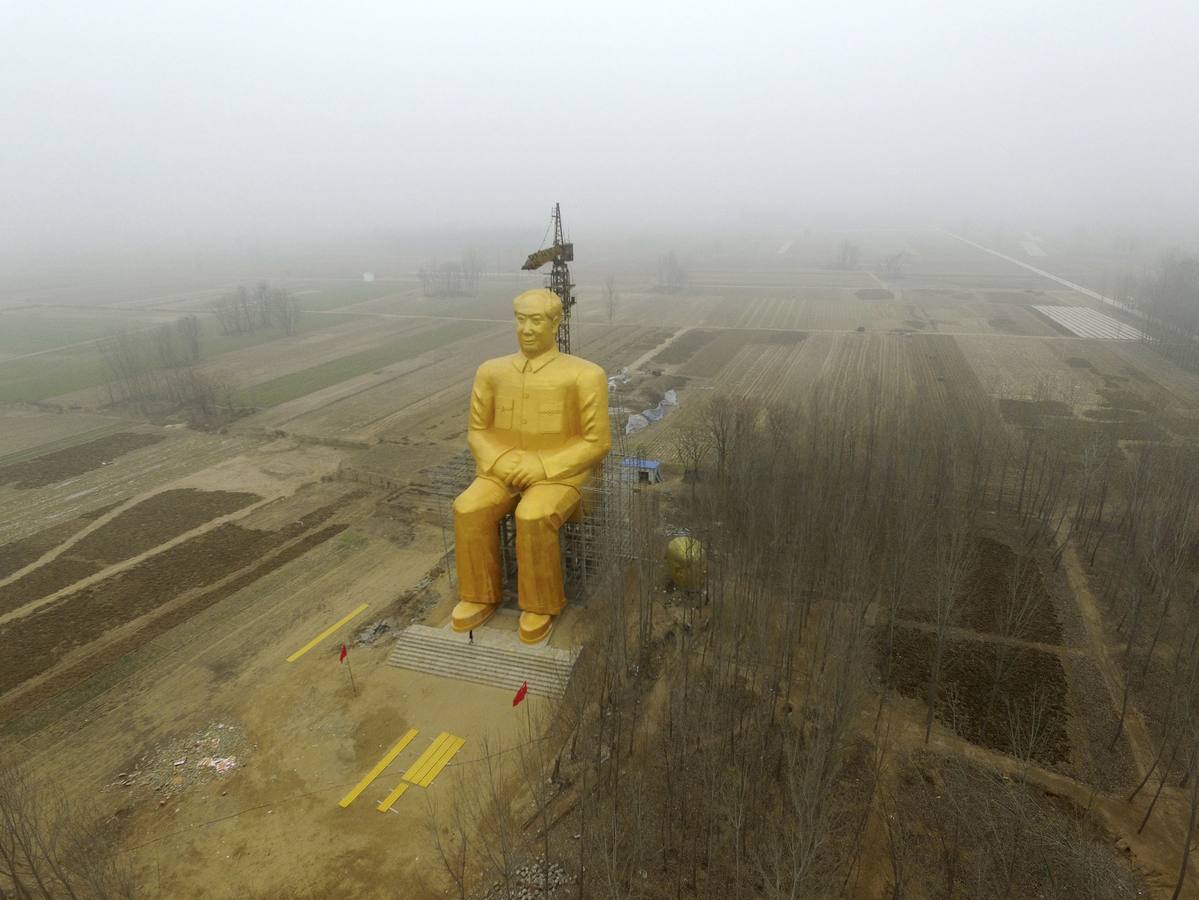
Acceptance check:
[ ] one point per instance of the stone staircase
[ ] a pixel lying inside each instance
(496, 658)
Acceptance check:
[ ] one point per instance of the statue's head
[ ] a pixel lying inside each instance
(538, 313)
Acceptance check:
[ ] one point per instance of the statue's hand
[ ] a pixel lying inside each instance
(529, 471)
(505, 466)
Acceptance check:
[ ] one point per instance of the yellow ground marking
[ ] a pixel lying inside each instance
(324, 634)
(448, 750)
(394, 796)
(427, 767)
(378, 769)
(417, 770)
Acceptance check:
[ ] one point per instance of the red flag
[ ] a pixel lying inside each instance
(520, 695)
(343, 656)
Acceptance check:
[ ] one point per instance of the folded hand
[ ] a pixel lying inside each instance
(506, 465)
(528, 471)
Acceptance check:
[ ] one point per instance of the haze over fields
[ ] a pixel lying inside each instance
(139, 125)
(886, 585)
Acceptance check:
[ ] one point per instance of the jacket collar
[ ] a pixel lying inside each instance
(522, 363)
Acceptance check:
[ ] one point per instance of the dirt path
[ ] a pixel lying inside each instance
(650, 354)
(1139, 740)
(1155, 850)
(261, 473)
(969, 634)
(108, 572)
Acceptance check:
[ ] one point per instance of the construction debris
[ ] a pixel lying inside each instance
(528, 883)
(165, 769)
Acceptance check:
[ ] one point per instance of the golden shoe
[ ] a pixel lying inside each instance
(467, 616)
(535, 627)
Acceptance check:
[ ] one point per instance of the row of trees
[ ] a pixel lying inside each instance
(672, 275)
(721, 743)
(1166, 294)
(454, 278)
(245, 310)
(156, 372)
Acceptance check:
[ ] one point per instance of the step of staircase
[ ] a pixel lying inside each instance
(496, 658)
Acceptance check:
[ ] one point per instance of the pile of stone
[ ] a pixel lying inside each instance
(528, 885)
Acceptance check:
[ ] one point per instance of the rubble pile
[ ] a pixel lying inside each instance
(528, 882)
(172, 767)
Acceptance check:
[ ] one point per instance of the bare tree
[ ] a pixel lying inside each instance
(188, 329)
(285, 311)
(848, 255)
(692, 445)
(672, 277)
(472, 270)
(50, 848)
(611, 297)
(955, 554)
(894, 264)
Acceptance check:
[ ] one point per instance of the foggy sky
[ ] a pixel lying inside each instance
(181, 121)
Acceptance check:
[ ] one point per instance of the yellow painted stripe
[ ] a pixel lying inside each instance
(393, 796)
(378, 769)
(451, 748)
(324, 634)
(418, 768)
(447, 746)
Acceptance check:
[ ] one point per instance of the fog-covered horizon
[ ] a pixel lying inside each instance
(172, 125)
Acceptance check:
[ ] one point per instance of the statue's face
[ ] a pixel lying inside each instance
(536, 330)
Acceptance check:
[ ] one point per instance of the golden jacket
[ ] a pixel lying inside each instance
(554, 404)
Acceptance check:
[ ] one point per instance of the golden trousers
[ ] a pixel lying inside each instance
(540, 512)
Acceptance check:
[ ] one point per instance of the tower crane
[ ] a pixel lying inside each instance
(558, 254)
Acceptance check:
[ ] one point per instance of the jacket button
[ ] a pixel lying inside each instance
(524, 421)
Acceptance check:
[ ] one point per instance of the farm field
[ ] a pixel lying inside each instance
(24, 332)
(158, 576)
(29, 430)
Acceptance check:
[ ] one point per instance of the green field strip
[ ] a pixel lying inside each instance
(214, 344)
(77, 368)
(22, 333)
(51, 374)
(315, 378)
(337, 296)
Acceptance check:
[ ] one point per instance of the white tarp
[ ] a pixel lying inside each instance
(636, 423)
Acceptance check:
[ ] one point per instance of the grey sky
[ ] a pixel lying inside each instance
(179, 121)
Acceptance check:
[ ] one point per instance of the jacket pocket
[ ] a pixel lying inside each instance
(549, 417)
(503, 414)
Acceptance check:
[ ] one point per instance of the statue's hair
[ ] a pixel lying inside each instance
(553, 303)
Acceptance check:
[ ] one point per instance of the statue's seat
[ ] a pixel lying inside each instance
(575, 538)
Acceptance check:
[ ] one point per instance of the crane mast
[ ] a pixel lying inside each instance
(558, 254)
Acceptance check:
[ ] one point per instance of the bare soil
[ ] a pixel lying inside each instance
(17, 555)
(685, 347)
(987, 586)
(63, 464)
(134, 531)
(51, 633)
(966, 689)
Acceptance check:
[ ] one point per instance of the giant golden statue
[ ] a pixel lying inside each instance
(538, 429)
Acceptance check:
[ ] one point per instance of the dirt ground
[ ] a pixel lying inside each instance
(157, 579)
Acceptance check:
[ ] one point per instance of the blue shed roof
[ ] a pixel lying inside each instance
(635, 463)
